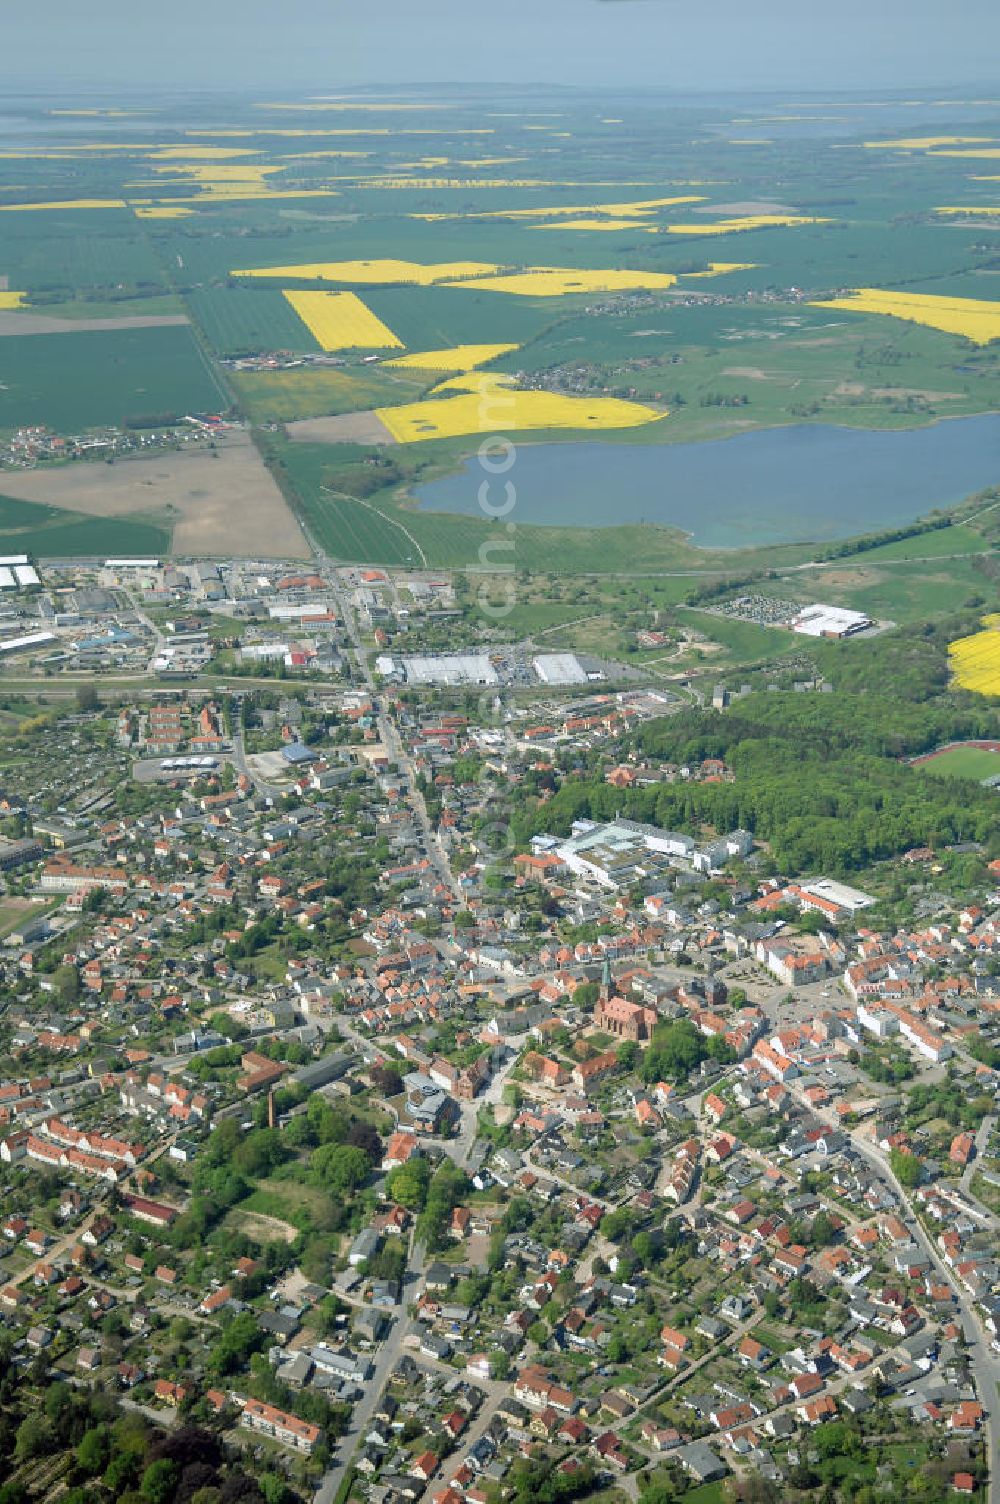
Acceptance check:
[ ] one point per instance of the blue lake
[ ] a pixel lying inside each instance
(777, 485)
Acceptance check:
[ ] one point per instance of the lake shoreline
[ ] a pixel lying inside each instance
(778, 484)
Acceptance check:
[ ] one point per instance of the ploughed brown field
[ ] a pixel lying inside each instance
(217, 503)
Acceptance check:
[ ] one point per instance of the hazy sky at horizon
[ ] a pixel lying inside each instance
(334, 44)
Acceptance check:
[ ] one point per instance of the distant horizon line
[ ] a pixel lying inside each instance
(20, 88)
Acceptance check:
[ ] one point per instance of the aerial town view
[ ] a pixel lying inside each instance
(500, 753)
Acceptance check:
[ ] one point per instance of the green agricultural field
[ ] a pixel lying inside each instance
(727, 368)
(16, 515)
(240, 321)
(73, 381)
(54, 533)
(743, 350)
(964, 762)
(156, 305)
(78, 250)
(430, 318)
(315, 391)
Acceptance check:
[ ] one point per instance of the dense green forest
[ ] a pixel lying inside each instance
(819, 777)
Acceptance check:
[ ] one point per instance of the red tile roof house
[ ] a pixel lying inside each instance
(673, 1338)
(816, 1411)
(966, 1416)
(257, 1416)
(714, 1107)
(753, 1354)
(215, 1301)
(170, 1393)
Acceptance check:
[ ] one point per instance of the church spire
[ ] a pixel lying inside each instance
(607, 984)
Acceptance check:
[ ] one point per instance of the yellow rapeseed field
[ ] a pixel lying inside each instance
(340, 321)
(593, 224)
(236, 192)
(977, 320)
(559, 281)
(69, 203)
(483, 403)
(231, 133)
(9, 300)
(204, 153)
(975, 660)
(631, 209)
(985, 153)
(925, 143)
(309, 156)
(746, 222)
(218, 175)
(161, 211)
(339, 105)
(227, 181)
(720, 268)
(372, 180)
(979, 211)
(382, 270)
(459, 358)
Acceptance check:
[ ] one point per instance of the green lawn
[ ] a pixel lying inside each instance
(745, 641)
(706, 1493)
(964, 762)
(286, 1200)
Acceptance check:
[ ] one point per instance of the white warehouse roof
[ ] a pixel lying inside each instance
(559, 668)
(450, 668)
(834, 621)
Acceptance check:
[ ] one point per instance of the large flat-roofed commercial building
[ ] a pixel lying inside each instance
(844, 897)
(15, 853)
(622, 851)
(559, 668)
(829, 621)
(449, 668)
